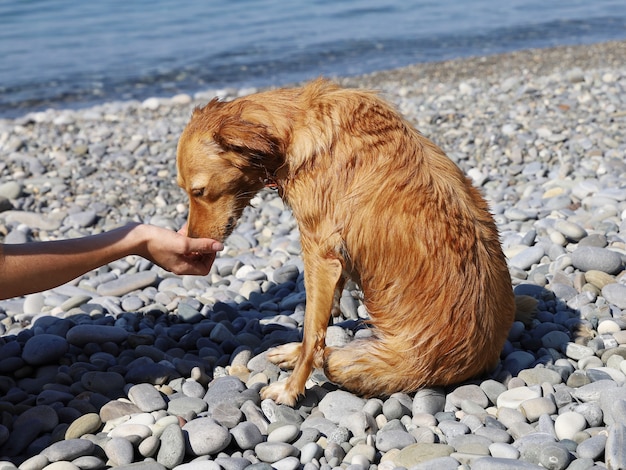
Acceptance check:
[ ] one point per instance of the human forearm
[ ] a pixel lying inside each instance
(33, 267)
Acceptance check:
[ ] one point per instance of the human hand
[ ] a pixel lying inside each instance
(176, 252)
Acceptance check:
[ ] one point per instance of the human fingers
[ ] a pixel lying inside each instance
(204, 245)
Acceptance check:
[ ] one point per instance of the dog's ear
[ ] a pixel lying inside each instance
(246, 137)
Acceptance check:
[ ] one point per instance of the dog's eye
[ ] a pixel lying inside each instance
(197, 192)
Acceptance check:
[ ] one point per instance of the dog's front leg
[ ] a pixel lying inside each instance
(322, 272)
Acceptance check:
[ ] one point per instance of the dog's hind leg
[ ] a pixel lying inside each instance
(368, 368)
(322, 273)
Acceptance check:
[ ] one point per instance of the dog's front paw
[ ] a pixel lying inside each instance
(280, 393)
(285, 356)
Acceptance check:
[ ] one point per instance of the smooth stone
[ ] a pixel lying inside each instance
(394, 439)
(615, 294)
(62, 466)
(271, 452)
(363, 453)
(360, 423)
(555, 340)
(453, 428)
(182, 406)
(527, 257)
(471, 444)
(568, 424)
(471, 393)
(493, 463)
(149, 446)
(116, 409)
(224, 389)
(172, 448)
(206, 437)
(226, 414)
(421, 452)
(146, 397)
(577, 351)
(535, 407)
(88, 423)
(539, 375)
(310, 451)
(247, 435)
(44, 349)
(119, 451)
(615, 452)
(592, 448)
(337, 404)
(604, 391)
(131, 431)
(68, 449)
(127, 283)
(202, 465)
(106, 383)
(514, 397)
(11, 189)
(503, 450)
(518, 360)
(146, 465)
(429, 401)
(554, 457)
(439, 463)
(83, 334)
(287, 433)
(588, 258)
(570, 230)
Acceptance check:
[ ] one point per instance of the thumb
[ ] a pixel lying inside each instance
(204, 245)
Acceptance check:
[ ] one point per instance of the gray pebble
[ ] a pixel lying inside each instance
(527, 257)
(592, 448)
(338, 404)
(572, 231)
(394, 439)
(246, 435)
(119, 451)
(146, 397)
(127, 284)
(429, 401)
(80, 335)
(68, 450)
(587, 258)
(44, 349)
(492, 463)
(471, 393)
(615, 294)
(172, 446)
(206, 437)
(615, 452)
(271, 452)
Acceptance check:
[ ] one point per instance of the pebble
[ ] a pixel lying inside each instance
(588, 258)
(568, 424)
(152, 371)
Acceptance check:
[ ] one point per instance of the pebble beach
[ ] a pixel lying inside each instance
(132, 367)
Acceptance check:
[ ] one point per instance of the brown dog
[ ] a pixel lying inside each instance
(376, 201)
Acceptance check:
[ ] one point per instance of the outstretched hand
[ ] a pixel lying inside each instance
(176, 252)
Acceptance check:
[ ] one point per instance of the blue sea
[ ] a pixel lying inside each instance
(60, 53)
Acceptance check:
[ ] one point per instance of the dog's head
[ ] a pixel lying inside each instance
(225, 156)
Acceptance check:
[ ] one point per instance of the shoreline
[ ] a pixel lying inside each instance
(539, 61)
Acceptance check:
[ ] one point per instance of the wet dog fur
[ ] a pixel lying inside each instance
(375, 201)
